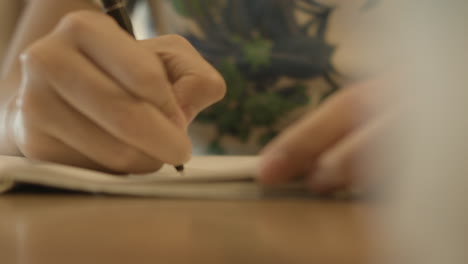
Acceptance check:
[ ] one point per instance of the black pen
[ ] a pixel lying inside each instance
(116, 9)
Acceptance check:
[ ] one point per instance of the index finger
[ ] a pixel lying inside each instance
(295, 151)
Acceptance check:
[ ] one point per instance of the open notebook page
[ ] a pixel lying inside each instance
(204, 177)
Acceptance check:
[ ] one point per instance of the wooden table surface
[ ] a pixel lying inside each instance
(49, 228)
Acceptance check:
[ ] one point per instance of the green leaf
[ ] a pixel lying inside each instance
(180, 7)
(236, 83)
(256, 51)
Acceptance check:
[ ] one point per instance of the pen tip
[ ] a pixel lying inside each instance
(180, 168)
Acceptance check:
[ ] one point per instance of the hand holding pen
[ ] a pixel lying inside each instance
(116, 9)
(92, 96)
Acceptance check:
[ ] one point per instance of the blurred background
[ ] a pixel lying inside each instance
(424, 216)
(422, 190)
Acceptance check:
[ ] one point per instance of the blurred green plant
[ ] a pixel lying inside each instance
(254, 43)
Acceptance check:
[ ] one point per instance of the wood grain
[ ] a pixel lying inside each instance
(72, 228)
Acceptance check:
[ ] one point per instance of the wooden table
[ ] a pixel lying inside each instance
(49, 228)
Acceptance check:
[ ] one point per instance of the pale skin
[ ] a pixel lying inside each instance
(9, 12)
(85, 93)
(345, 130)
(77, 77)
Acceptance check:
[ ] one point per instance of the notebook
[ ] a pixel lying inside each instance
(211, 177)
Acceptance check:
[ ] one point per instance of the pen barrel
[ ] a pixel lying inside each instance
(121, 16)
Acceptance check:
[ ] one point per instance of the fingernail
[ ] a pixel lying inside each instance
(326, 176)
(273, 168)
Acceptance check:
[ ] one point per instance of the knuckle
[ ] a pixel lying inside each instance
(177, 40)
(74, 22)
(36, 55)
(79, 21)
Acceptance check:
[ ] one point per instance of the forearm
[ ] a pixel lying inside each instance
(38, 19)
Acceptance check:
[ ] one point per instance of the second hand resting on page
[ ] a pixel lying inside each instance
(331, 145)
(92, 96)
